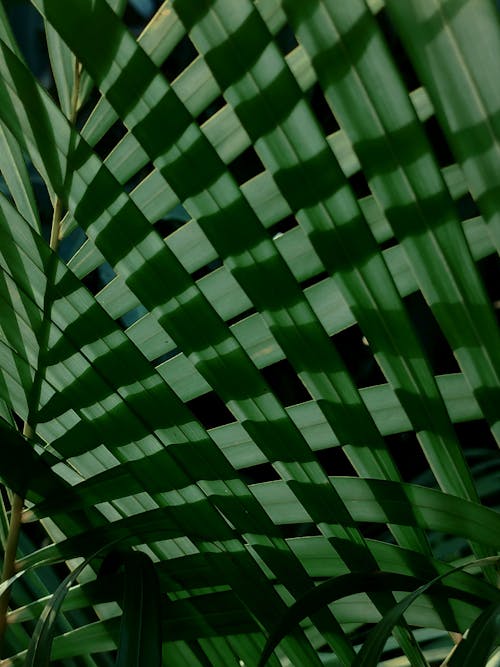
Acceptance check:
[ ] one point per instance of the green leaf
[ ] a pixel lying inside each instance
(140, 630)
(326, 593)
(481, 638)
(372, 648)
(270, 320)
(5, 585)
(41, 642)
(25, 471)
(63, 65)
(40, 646)
(15, 174)
(458, 78)
(333, 589)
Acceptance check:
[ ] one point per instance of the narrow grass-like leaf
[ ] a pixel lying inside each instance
(372, 648)
(40, 646)
(326, 593)
(63, 64)
(442, 40)
(5, 585)
(481, 638)
(140, 632)
(14, 171)
(333, 589)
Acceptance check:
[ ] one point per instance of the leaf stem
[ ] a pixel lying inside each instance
(56, 224)
(446, 661)
(9, 563)
(75, 92)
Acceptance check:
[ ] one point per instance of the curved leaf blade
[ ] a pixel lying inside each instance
(41, 642)
(482, 637)
(140, 631)
(373, 646)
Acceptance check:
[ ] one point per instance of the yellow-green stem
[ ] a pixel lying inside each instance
(76, 92)
(446, 661)
(9, 563)
(56, 224)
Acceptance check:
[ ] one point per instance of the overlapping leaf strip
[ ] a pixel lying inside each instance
(133, 460)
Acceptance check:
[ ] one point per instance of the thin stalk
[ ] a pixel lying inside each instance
(9, 562)
(4, 521)
(75, 92)
(446, 661)
(17, 502)
(56, 224)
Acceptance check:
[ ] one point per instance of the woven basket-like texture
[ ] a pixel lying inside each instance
(280, 320)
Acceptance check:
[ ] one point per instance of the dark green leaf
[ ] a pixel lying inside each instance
(373, 646)
(481, 638)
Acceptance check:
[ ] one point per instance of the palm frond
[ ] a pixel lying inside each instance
(261, 346)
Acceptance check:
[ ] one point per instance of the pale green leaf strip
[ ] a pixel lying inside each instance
(411, 191)
(260, 295)
(319, 559)
(460, 78)
(17, 376)
(14, 171)
(5, 585)
(86, 84)
(372, 648)
(387, 502)
(374, 501)
(158, 39)
(6, 412)
(331, 217)
(12, 386)
(49, 160)
(6, 34)
(185, 318)
(107, 416)
(62, 62)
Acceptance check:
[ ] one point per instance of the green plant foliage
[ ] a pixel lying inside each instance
(140, 634)
(248, 283)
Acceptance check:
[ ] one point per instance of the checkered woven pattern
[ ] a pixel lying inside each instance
(281, 379)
